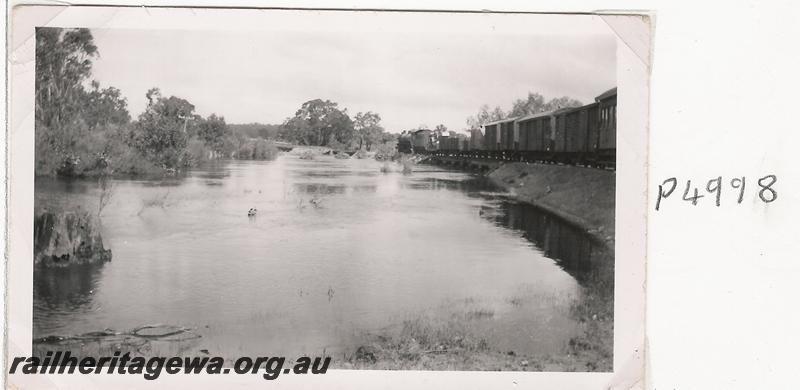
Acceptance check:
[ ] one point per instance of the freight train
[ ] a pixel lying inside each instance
(585, 135)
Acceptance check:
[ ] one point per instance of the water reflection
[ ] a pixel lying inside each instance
(66, 290)
(174, 182)
(572, 248)
(328, 174)
(213, 170)
(319, 188)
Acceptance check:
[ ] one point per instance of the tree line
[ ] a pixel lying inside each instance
(322, 123)
(85, 130)
(534, 103)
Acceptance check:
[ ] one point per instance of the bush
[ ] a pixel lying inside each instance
(71, 150)
(130, 162)
(48, 157)
(386, 150)
(197, 151)
(257, 149)
(162, 132)
(265, 150)
(75, 151)
(339, 146)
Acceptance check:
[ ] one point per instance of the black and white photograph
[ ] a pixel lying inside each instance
(376, 194)
(341, 184)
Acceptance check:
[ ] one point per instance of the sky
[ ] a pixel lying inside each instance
(412, 69)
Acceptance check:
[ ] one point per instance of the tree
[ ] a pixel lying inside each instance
(212, 131)
(104, 107)
(497, 114)
(475, 122)
(161, 130)
(368, 129)
(319, 122)
(485, 116)
(256, 130)
(562, 102)
(534, 104)
(63, 63)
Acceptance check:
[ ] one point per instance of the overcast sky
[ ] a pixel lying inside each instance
(411, 69)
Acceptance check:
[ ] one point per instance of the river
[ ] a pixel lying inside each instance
(337, 250)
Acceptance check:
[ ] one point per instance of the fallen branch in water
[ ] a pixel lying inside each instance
(167, 331)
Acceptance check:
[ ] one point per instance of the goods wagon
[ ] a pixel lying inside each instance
(476, 140)
(491, 136)
(507, 134)
(454, 142)
(521, 136)
(585, 135)
(607, 127)
(536, 128)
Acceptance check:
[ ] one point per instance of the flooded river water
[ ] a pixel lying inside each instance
(338, 249)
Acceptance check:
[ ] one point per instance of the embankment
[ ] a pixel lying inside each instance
(583, 196)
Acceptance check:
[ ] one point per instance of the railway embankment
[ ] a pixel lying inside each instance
(582, 196)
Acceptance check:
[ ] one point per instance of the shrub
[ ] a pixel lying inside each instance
(265, 150)
(386, 150)
(48, 157)
(197, 151)
(76, 152)
(71, 150)
(257, 149)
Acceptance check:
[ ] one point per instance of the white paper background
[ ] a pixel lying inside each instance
(722, 282)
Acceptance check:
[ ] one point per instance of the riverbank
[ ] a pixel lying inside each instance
(452, 337)
(582, 196)
(106, 155)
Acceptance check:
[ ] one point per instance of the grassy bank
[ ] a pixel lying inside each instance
(449, 338)
(582, 196)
